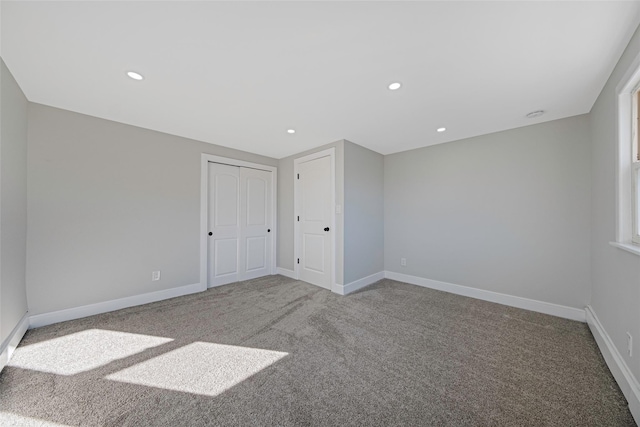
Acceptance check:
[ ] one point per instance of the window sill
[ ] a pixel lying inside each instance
(634, 249)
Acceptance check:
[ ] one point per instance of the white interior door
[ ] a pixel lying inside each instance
(224, 207)
(255, 223)
(314, 209)
(240, 224)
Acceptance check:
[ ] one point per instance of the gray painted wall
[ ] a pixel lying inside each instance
(615, 296)
(13, 202)
(109, 203)
(363, 212)
(506, 212)
(286, 209)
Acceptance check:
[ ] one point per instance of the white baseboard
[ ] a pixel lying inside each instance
(510, 300)
(44, 319)
(358, 284)
(287, 273)
(9, 345)
(618, 367)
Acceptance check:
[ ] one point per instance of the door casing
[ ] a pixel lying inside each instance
(204, 208)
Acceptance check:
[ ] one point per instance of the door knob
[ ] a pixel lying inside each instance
(326, 229)
(268, 230)
(210, 233)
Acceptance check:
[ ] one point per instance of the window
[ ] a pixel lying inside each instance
(628, 160)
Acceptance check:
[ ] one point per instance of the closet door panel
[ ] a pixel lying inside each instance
(224, 224)
(255, 223)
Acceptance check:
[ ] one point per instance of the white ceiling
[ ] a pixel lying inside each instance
(240, 74)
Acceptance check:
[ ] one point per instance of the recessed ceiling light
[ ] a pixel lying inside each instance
(394, 86)
(441, 129)
(534, 114)
(291, 131)
(134, 75)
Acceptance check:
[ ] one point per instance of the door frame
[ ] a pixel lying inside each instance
(331, 152)
(204, 208)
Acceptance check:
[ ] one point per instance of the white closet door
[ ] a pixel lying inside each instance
(255, 223)
(240, 224)
(314, 207)
(224, 207)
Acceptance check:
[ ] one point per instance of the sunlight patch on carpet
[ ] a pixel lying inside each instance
(200, 368)
(82, 351)
(8, 419)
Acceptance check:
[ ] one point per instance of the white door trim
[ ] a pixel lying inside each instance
(204, 211)
(331, 152)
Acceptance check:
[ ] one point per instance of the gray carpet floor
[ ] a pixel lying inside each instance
(275, 351)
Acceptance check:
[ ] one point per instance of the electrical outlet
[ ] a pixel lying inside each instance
(630, 344)
(403, 262)
(155, 276)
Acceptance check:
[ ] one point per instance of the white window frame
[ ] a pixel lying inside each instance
(627, 166)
